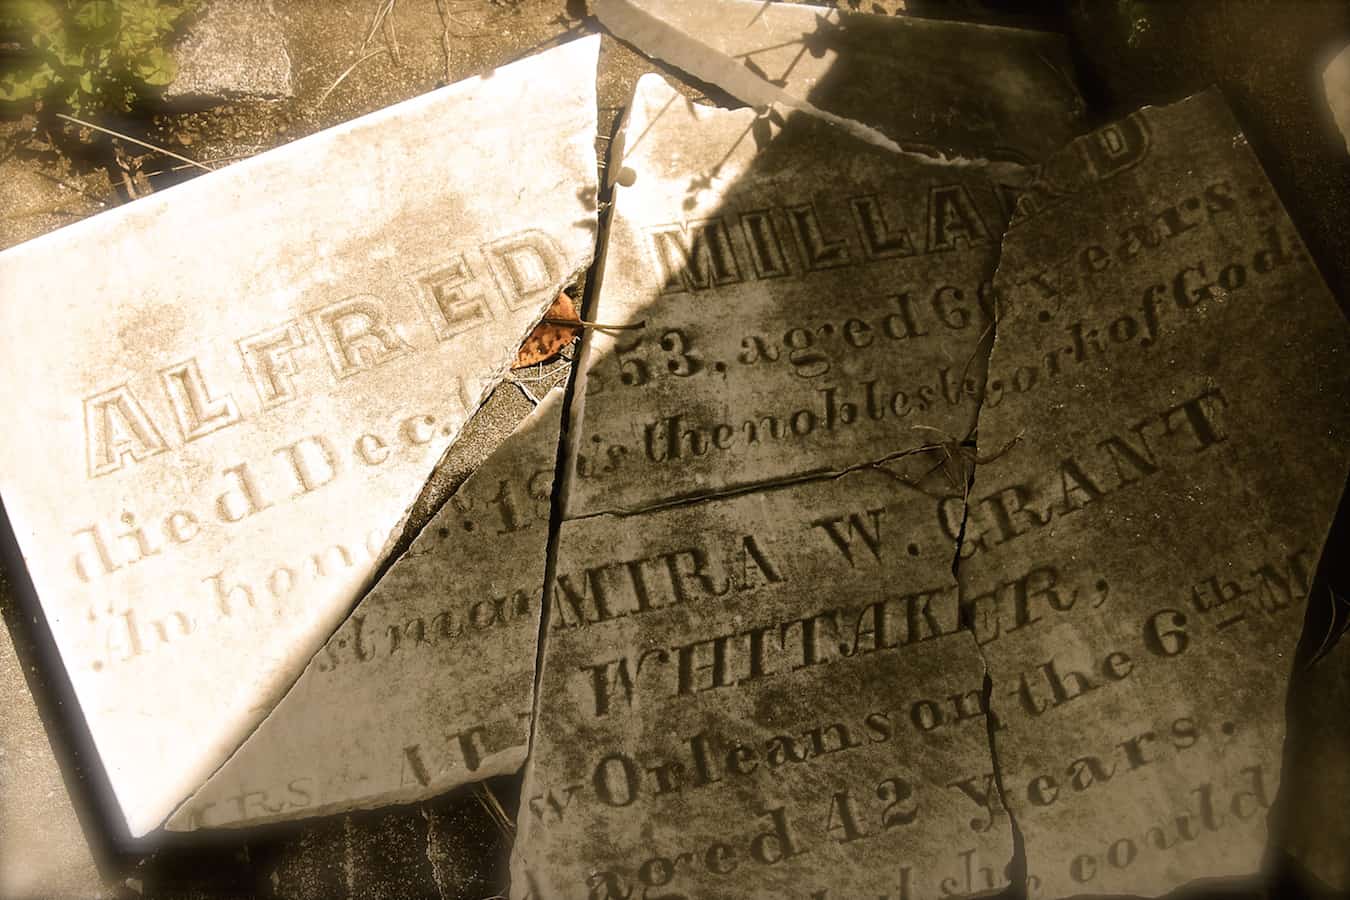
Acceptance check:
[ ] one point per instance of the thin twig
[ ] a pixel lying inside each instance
(383, 10)
(951, 450)
(536, 379)
(495, 809)
(128, 182)
(384, 21)
(125, 137)
(534, 401)
(582, 323)
(219, 159)
(445, 37)
(343, 77)
(391, 35)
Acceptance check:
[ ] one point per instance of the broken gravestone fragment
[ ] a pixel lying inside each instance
(1135, 569)
(761, 695)
(234, 49)
(43, 852)
(697, 646)
(952, 88)
(228, 409)
(430, 681)
(697, 649)
(729, 227)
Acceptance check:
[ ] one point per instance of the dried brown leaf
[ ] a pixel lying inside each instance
(560, 326)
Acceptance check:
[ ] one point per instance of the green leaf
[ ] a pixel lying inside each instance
(139, 26)
(45, 28)
(38, 16)
(96, 15)
(13, 87)
(162, 19)
(155, 66)
(93, 54)
(22, 85)
(66, 54)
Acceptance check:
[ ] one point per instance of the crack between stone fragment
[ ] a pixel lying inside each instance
(563, 463)
(1017, 865)
(401, 536)
(815, 475)
(555, 520)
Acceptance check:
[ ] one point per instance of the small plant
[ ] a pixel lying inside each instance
(89, 55)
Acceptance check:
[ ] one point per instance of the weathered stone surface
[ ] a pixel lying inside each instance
(1267, 67)
(215, 452)
(953, 88)
(430, 682)
(730, 226)
(236, 48)
(1336, 80)
(43, 852)
(1136, 567)
(786, 662)
(747, 539)
(727, 233)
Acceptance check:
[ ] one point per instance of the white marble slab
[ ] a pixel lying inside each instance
(222, 399)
